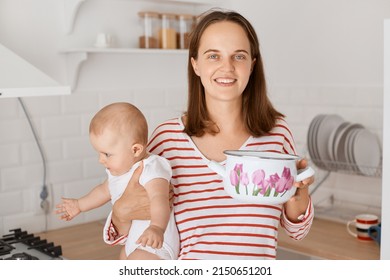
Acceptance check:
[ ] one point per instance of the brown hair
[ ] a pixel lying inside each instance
(258, 113)
(124, 118)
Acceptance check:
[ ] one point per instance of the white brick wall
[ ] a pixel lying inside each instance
(72, 164)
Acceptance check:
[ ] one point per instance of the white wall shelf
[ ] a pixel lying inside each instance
(71, 8)
(75, 57)
(124, 51)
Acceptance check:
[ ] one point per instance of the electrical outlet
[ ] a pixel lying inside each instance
(45, 206)
(43, 199)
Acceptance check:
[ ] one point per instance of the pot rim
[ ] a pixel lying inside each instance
(260, 154)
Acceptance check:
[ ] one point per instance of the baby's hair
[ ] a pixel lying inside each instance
(123, 118)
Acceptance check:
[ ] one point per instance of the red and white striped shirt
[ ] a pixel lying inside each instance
(211, 224)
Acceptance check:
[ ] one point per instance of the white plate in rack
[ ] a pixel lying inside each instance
(339, 147)
(332, 139)
(325, 129)
(349, 145)
(367, 152)
(311, 136)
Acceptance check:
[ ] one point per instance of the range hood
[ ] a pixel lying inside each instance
(19, 78)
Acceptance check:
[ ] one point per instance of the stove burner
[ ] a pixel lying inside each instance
(26, 246)
(5, 248)
(22, 256)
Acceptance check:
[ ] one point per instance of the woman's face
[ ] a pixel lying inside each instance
(224, 62)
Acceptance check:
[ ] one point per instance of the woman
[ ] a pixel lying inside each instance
(228, 109)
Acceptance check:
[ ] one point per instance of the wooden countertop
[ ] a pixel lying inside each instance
(83, 242)
(330, 240)
(326, 239)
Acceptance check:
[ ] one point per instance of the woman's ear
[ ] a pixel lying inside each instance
(194, 64)
(137, 149)
(253, 64)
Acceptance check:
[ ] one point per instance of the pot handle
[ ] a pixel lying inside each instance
(304, 173)
(216, 167)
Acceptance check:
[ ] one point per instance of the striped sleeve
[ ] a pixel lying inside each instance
(299, 230)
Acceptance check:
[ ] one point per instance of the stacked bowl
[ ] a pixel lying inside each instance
(335, 144)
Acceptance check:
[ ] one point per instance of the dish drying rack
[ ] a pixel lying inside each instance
(337, 145)
(348, 168)
(333, 210)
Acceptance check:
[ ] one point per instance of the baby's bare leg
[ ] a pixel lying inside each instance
(139, 254)
(123, 228)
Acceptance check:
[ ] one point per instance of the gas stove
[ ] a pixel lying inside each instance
(21, 245)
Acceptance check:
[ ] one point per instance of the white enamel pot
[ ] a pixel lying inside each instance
(260, 177)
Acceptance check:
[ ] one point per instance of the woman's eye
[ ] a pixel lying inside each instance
(239, 56)
(213, 56)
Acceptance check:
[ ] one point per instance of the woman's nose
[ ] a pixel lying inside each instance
(227, 65)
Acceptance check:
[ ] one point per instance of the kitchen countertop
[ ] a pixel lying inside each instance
(326, 240)
(330, 240)
(83, 242)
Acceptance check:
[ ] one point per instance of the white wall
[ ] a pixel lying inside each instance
(320, 42)
(320, 57)
(385, 243)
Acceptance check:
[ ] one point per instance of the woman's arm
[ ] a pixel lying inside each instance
(134, 203)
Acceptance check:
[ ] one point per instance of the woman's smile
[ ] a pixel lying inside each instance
(225, 81)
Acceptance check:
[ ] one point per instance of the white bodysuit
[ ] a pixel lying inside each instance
(154, 167)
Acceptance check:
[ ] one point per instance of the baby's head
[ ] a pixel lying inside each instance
(119, 133)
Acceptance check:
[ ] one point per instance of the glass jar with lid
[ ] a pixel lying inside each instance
(167, 33)
(151, 24)
(185, 26)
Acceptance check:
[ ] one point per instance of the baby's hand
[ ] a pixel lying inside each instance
(153, 236)
(68, 209)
